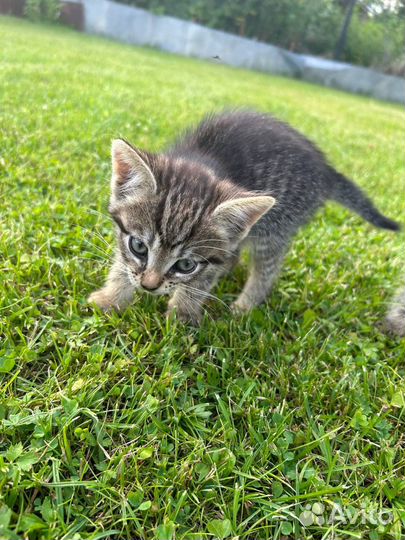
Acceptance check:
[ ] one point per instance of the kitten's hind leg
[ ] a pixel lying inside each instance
(118, 291)
(266, 261)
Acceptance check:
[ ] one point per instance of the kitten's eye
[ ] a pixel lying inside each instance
(185, 266)
(137, 247)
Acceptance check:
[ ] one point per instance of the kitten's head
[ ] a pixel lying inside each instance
(176, 221)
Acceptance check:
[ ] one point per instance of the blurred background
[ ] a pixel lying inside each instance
(368, 33)
(365, 32)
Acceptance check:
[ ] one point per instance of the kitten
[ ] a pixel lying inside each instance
(239, 179)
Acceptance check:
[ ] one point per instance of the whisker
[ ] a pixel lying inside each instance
(93, 255)
(206, 294)
(191, 312)
(122, 268)
(98, 248)
(93, 232)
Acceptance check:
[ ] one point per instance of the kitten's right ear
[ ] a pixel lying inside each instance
(131, 175)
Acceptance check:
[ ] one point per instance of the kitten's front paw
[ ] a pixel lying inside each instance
(239, 307)
(103, 299)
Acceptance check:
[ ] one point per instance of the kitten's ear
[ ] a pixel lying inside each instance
(131, 175)
(237, 216)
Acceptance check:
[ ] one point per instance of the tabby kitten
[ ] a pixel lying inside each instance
(239, 179)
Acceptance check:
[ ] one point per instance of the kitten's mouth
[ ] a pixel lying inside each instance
(154, 292)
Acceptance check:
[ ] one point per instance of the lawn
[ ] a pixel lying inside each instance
(288, 423)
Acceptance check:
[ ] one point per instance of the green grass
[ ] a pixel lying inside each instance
(132, 427)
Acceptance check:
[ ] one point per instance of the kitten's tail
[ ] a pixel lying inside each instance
(347, 193)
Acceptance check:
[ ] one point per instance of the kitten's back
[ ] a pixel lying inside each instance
(260, 153)
(253, 149)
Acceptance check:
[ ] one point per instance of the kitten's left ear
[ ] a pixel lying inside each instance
(237, 216)
(131, 174)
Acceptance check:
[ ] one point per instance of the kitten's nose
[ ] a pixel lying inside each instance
(151, 281)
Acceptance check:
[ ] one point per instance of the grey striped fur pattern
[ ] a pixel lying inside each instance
(240, 179)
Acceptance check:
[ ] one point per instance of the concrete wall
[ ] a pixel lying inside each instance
(140, 27)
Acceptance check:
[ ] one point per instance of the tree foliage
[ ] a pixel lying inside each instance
(42, 10)
(376, 35)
